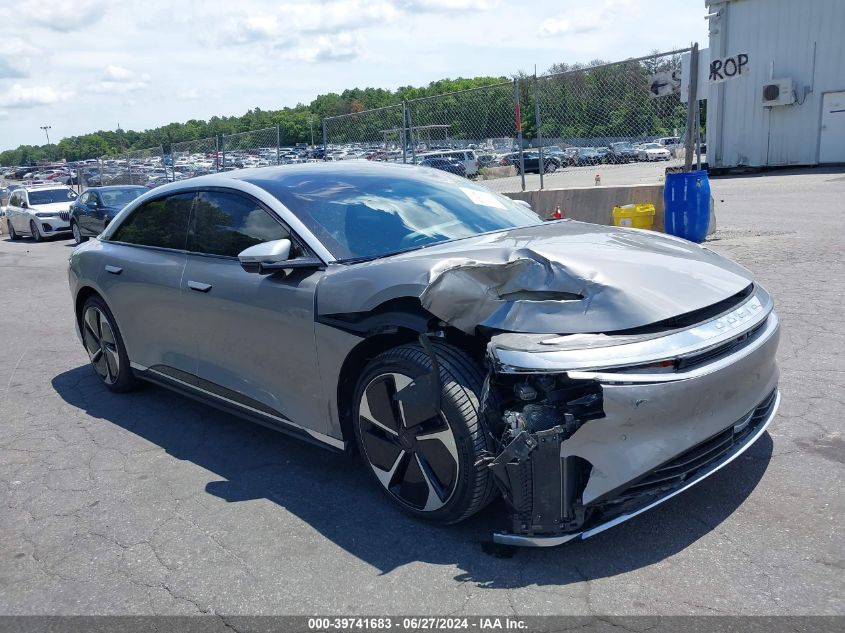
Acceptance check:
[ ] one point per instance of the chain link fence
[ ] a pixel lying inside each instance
(138, 167)
(195, 158)
(475, 128)
(257, 148)
(378, 134)
(612, 115)
(623, 122)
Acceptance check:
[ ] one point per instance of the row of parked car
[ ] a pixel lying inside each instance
(43, 211)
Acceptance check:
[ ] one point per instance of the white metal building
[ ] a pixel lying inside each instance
(797, 48)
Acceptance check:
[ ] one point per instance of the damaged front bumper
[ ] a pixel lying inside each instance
(602, 428)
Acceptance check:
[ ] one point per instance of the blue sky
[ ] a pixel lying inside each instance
(85, 65)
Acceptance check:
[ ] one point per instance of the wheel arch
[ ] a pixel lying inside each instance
(391, 324)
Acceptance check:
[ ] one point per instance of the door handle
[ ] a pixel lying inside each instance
(199, 286)
(114, 270)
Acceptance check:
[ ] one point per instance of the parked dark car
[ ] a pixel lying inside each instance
(588, 156)
(621, 152)
(94, 209)
(445, 164)
(531, 160)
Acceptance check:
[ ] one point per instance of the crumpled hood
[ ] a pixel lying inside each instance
(555, 278)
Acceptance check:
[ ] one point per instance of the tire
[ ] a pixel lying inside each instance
(34, 230)
(77, 234)
(12, 234)
(430, 469)
(104, 344)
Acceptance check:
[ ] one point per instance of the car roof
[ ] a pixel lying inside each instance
(40, 187)
(113, 187)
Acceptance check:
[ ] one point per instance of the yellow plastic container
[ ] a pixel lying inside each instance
(637, 216)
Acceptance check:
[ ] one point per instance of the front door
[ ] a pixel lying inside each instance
(832, 144)
(255, 333)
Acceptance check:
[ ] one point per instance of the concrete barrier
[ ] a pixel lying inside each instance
(595, 204)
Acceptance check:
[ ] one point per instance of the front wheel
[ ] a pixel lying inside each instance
(77, 234)
(429, 466)
(33, 228)
(12, 233)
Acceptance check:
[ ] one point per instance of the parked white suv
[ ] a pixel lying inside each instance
(39, 211)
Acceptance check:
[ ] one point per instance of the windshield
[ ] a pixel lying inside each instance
(371, 213)
(652, 146)
(618, 146)
(120, 197)
(51, 196)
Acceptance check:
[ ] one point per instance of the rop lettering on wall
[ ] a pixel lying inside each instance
(728, 67)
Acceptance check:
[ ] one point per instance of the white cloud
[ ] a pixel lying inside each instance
(117, 73)
(445, 6)
(64, 16)
(251, 28)
(340, 47)
(120, 80)
(191, 94)
(19, 96)
(551, 27)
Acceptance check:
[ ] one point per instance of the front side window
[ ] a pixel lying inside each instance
(227, 223)
(118, 197)
(162, 223)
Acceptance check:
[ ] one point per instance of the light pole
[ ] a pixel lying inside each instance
(45, 128)
(311, 125)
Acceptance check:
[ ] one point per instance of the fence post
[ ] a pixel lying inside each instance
(518, 113)
(411, 138)
(129, 168)
(404, 142)
(692, 107)
(538, 122)
(277, 145)
(222, 152)
(325, 142)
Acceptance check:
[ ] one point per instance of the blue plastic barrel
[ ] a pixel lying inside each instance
(686, 205)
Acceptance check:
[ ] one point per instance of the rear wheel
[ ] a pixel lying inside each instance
(33, 228)
(428, 467)
(105, 347)
(12, 234)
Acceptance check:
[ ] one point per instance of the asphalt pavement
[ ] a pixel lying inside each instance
(150, 503)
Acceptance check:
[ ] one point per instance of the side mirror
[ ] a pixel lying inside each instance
(265, 253)
(24, 205)
(269, 257)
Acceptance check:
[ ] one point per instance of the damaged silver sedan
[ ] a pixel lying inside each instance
(466, 348)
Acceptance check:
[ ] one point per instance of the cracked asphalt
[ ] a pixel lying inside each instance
(151, 503)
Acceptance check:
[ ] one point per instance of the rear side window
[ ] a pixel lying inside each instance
(162, 223)
(227, 223)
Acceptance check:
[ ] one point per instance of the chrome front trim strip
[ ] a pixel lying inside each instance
(551, 541)
(694, 340)
(760, 338)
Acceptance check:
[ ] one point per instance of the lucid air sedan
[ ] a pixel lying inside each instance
(463, 346)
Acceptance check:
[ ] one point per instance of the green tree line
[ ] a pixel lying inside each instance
(576, 102)
(293, 123)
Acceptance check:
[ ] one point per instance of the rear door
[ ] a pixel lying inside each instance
(255, 333)
(143, 262)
